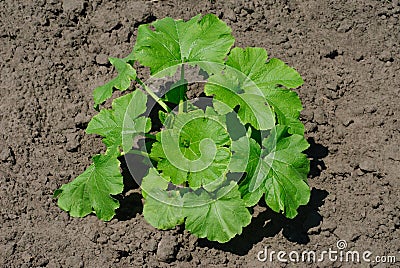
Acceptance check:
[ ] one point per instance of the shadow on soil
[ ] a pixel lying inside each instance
(131, 200)
(315, 153)
(269, 223)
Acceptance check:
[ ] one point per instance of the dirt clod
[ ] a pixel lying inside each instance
(167, 249)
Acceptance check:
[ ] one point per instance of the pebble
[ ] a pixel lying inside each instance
(385, 56)
(167, 249)
(73, 6)
(5, 153)
(368, 165)
(102, 59)
(73, 142)
(320, 117)
(230, 15)
(396, 222)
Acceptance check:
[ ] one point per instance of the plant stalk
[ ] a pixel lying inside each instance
(153, 95)
(182, 91)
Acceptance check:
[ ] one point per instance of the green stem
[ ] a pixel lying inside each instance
(182, 86)
(138, 152)
(153, 95)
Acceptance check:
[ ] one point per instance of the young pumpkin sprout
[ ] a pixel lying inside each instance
(207, 160)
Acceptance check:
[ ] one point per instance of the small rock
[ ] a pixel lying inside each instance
(102, 239)
(230, 15)
(375, 201)
(328, 226)
(115, 237)
(344, 26)
(102, 59)
(396, 222)
(167, 249)
(332, 86)
(73, 6)
(81, 121)
(53, 264)
(368, 165)
(320, 117)
(73, 261)
(371, 109)
(358, 56)
(307, 115)
(314, 230)
(347, 122)
(359, 172)
(385, 56)
(73, 142)
(5, 153)
(150, 245)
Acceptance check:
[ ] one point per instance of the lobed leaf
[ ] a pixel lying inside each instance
(279, 170)
(248, 72)
(157, 198)
(126, 74)
(91, 191)
(219, 217)
(173, 42)
(123, 122)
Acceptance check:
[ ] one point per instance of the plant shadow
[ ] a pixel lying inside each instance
(315, 153)
(269, 223)
(133, 171)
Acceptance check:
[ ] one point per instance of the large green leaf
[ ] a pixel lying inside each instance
(279, 170)
(126, 74)
(91, 191)
(218, 216)
(248, 72)
(121, 124)
(158, 199)
(193, 150)
(173, 42)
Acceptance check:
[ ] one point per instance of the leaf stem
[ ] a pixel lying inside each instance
(139, 152)
(182, 91)
(153, 95)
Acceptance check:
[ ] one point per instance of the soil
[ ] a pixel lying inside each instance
(53, 54)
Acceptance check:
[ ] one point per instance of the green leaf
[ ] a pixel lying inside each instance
(121, 124)
(248, 72)
(157, 200)
(287, 111)
(279, 170)
(219, 216)
(91, 191)
(278, 73)
(246, 157)
(153, 181)
(173, 42)
(193, 150)
(286, 167)
(253, 108)
(126, 74)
